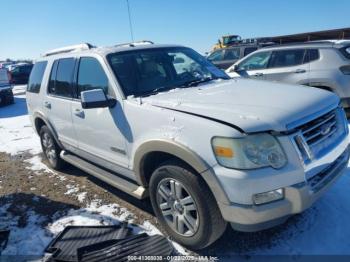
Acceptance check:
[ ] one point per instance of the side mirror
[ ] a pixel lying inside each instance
(96, 98)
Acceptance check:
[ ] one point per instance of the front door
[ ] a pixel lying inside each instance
(254, 66)
(100, 131)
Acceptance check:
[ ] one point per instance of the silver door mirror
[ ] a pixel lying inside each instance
(96, 98)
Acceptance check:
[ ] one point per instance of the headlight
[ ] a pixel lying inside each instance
(252, 151)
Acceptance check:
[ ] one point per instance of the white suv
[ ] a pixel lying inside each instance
(323, 64)
(162, 121)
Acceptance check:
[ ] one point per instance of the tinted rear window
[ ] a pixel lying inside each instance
(36, 77)
(249, 50)
(61, 79)
(285, 58)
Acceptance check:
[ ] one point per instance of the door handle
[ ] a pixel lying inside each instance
(47, 105)
(300, 71)
(79, 113)
(258, 74)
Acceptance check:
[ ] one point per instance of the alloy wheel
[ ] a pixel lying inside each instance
(178, 207)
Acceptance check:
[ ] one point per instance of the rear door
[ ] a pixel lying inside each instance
(288, 66)
(58, 101)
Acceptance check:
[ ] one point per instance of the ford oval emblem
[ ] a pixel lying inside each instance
(325, 129)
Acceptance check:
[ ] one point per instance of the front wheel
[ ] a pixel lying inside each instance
(184, 205)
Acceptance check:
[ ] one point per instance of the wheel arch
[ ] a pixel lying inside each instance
(152, 153)
(39, 121)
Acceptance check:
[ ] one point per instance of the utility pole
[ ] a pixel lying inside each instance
(130, 24)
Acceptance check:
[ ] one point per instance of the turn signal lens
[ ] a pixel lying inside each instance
(223, 151)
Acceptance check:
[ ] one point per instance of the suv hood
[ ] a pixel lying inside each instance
(251, 105)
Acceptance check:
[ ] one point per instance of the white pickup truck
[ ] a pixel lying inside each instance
(161, 121)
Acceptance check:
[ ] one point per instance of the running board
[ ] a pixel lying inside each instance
(108, 177)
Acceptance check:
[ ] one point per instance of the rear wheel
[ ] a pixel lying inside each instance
(185, 206)
(50, 149)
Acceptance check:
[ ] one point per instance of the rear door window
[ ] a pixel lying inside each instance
(232, 54)
(36, 77)
(287, 58)
(249, 50)
(62, 77)
(91, 75)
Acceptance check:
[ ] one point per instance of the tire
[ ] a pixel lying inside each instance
(195, 229)
(51, 149)
(12, 100)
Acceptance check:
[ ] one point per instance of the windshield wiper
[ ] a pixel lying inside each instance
(198, 81)
(155, 91)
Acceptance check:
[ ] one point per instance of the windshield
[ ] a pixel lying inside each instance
(148, 71)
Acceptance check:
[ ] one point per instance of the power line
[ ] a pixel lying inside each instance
(130, 24)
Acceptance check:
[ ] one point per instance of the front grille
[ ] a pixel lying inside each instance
(319, 136)
(321, 179)
(320, 129)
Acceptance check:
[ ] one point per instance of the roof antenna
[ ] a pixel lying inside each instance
(130, 24)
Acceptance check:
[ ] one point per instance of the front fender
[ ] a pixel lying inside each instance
(185, 154)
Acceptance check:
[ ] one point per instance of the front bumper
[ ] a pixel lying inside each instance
(298, 197)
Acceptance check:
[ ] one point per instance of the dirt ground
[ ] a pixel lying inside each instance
(46, 194)
(19, 181)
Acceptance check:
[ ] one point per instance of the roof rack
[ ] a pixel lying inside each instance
(67, 49)
(133, 44)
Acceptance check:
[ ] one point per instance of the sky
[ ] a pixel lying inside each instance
(28, 28)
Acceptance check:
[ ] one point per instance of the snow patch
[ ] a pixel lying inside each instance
(37, 165)
(16, 132)
(71, 189)
(81, 196)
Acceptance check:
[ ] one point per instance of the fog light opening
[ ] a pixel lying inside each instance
(268, 197)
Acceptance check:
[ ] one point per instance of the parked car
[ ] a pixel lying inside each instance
(226, 57)
(324, 64)
(6, 64)
(206, 149)
(20, 73)
(6, 95)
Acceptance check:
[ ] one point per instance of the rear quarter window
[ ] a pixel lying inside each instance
(311, 55)
(36, 77)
